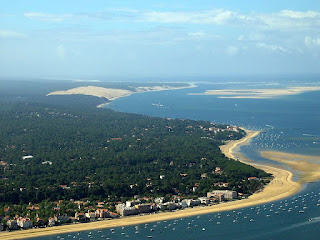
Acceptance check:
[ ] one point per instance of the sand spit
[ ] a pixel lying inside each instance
(113, 93)
(257, 93)
(280, 187)
(307, 166)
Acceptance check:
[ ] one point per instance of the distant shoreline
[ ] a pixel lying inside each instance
(280, 187)
(111, 94)
(257, 93)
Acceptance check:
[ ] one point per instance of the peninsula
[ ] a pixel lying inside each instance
(280, 187)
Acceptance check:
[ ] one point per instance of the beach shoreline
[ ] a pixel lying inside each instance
(280, 187)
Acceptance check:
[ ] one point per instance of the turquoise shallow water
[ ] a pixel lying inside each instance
(290, 124)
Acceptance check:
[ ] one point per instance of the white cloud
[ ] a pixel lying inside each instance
(7, 34)
(311, 42)
(198, 34)
(45, 17)
(298, 14)
(283, 20)
(231, 50)
(212, 17)
(271, 47)
(61, 52)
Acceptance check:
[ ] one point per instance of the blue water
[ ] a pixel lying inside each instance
(290, 124)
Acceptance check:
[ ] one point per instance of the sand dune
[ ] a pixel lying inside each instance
(114, 93)
(108, 93)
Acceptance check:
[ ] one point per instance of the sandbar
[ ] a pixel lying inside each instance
(280, 187)
(257, 93)
(307, 166)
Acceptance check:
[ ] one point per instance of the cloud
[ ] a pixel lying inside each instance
(285, 19)
(311, 42)
(61, 52)
(271, 47)
(299, 15)
(45, 17)
(232, 51)
(8, 34)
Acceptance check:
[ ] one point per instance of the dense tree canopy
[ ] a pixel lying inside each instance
(80, 151)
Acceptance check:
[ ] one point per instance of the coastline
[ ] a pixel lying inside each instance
(111, 94)
(280, 187)
(257, 93)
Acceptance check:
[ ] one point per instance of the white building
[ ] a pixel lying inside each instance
(159, 200)
(27, 157)
(132, 203)
(204, 200)
(190, 202)
(12, 224)
(51, 222)
(24, 222)
(226, 193)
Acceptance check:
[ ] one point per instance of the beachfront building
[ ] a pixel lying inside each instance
(51, 222)
(227, 194)
(91, 216)
(132, 203)
(159, 200)
(24, 222)
(204, 200)
(123, 210)
(190, 202)
(61, 218)
(168, 206)
(12, 224)
(131, 209)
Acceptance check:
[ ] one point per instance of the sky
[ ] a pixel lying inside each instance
(133, 38)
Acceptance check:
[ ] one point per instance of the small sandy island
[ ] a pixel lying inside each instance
(280, 187)
(257, 93)
(114, 93)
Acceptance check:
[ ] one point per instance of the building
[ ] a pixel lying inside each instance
(61, 218)
(143, 208)
(130, 208)
(227, 194)
(102, 213)
(123, 210)
(204, 200)
(132, 203)
(159, 200)
(27, 157)
(24, 222)
(168, 206)
(51, 222)
(12, 224)
(91, 216)
(190, 202)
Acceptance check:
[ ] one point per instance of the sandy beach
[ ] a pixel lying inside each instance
(280, 187)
